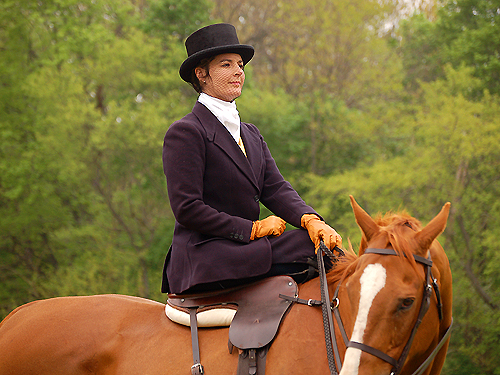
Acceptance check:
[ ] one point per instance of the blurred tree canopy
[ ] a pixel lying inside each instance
(466, 32)
(396, 103)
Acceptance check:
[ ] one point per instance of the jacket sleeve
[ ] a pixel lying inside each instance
(183, 163)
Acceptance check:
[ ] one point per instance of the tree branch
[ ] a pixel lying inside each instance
(468, 266)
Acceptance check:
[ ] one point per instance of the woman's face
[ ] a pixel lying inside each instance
(225, 77)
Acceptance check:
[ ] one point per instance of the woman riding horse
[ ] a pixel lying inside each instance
(379, 301)
(218, 171)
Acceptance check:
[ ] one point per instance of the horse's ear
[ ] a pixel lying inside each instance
(365, 222)
(434, 228)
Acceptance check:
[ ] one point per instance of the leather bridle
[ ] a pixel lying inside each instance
(332, 306)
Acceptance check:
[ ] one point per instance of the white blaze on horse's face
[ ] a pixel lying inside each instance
(371, 281)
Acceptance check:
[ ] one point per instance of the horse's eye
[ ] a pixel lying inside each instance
(406, 303)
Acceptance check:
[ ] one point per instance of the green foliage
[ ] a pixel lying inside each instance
(330, 50)
(466, 33)
(280, 120)
(178, 18)
(420, 51)
(471, 30)
(81, 151)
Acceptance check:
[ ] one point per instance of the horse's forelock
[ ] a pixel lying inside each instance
(391, 219)
(396, 225)
(401, 239)
(401, 244)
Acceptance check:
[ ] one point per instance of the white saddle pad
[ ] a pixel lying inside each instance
(219, 317)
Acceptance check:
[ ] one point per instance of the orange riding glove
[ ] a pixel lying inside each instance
(270, 226)
(319, 230)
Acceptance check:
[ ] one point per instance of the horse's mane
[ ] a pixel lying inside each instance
(342, 265)
(394, 225)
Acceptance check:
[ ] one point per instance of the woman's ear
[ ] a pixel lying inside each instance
(201, 73)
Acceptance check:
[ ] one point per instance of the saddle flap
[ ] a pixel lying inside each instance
(260, 313)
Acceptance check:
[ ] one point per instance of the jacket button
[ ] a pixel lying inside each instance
(241, 237)
(256, 198)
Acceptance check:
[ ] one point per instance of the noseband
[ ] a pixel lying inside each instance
(329, 306)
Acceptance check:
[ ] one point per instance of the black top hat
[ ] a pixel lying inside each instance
(210, 41)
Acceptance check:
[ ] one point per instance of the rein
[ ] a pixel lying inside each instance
(328, 306)
(330, 338)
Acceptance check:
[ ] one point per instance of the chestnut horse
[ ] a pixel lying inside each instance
(379, 300)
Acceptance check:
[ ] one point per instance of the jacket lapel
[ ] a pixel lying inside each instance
(253, 149)
(220, 136)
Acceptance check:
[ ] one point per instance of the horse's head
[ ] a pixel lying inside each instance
(385, 291)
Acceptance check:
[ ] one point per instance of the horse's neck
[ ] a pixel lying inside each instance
(310, 290)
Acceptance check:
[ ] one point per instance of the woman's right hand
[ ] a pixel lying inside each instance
(318, 230)
(270, 226)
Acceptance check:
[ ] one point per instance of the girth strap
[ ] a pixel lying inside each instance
(252, 361)
(197, 368)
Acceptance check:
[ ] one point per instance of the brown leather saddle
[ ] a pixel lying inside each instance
(255, 324)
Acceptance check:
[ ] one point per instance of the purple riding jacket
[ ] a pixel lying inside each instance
(214, 193)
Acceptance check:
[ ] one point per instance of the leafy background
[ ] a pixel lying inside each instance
(394, 102)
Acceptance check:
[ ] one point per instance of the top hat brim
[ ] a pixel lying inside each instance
(245, 51)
